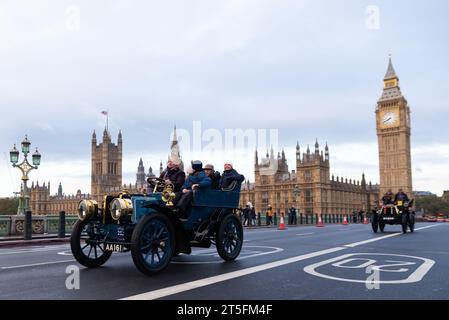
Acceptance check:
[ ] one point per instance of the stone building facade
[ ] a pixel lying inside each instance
(106, 178)
(310, 188)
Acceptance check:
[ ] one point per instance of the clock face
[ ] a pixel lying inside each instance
(390, 119)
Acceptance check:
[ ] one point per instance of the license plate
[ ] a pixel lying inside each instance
(388, 219)
(114, 247)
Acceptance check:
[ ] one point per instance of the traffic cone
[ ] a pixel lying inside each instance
(345, 221)
(320, 222)
(282, 224)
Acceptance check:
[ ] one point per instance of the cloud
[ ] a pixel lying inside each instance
(308, 68)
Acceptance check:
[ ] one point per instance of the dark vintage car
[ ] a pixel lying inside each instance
(394, 214)
(148, 226)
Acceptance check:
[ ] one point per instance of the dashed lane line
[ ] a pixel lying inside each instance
(36, 264)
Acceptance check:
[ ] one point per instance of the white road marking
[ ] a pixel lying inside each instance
(416, 276)
(36, 264)
(255, 254)
(357, 244)
(31, 250)
(305, 234)
(156, 294)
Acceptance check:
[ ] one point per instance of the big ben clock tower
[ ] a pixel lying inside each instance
(393, 133)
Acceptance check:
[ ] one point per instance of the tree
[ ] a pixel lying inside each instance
(8, 206)
(432, 205)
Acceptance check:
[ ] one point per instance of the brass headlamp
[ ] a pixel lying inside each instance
(87, 209)
(121, 208)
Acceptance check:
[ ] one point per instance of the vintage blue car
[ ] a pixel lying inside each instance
(149, 227)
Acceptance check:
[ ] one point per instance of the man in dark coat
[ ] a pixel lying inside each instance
(173, 174)
(214, 176)
(388, 198)
(246, 216)
(292, 216)
(197, 180)
(229, 176)
(401, 197)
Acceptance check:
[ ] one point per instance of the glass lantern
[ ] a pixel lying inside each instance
(26, 145)
(36, 158)
(14, 155)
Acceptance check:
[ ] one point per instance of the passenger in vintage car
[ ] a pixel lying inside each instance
(197, 180)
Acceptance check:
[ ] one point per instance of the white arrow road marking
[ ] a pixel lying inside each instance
(156, 294)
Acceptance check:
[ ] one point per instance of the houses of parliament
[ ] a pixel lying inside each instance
(310, 187)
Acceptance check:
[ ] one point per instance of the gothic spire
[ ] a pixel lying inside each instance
(391, 73)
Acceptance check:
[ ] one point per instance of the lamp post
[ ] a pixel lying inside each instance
(25, 167)
(296, 193)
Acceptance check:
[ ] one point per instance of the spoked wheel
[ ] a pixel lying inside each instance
(153, 243)
(230, 238)
(86, 247)
(404, 223)
(411, 223)
(382, 226)
(375, 223)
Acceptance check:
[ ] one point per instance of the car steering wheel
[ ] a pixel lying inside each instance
(157, 183)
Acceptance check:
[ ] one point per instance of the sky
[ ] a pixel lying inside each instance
(305, 70)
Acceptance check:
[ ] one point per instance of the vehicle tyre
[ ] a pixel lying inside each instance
(229, 238)
(382, 226)
(86, 250)
(404, 223)
(411, 223)
(153, 243)
(375, 223)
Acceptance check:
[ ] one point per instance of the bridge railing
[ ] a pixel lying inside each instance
(41, 225)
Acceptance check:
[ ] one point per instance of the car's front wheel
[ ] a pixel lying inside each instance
(86, 247)
(153, 243)
(381, 226)
(412, 223)
(404, 221)
(375, 223)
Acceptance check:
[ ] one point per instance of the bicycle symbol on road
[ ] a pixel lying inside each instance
(381, 268)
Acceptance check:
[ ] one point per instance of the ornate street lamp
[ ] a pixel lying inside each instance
(296, 193)
(25, 167)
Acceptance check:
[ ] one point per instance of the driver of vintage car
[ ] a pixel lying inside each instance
(173, 173)
(401, 198)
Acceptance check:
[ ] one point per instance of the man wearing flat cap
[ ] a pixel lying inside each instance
(213, 175)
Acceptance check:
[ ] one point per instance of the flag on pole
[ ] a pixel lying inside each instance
(105, 113)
